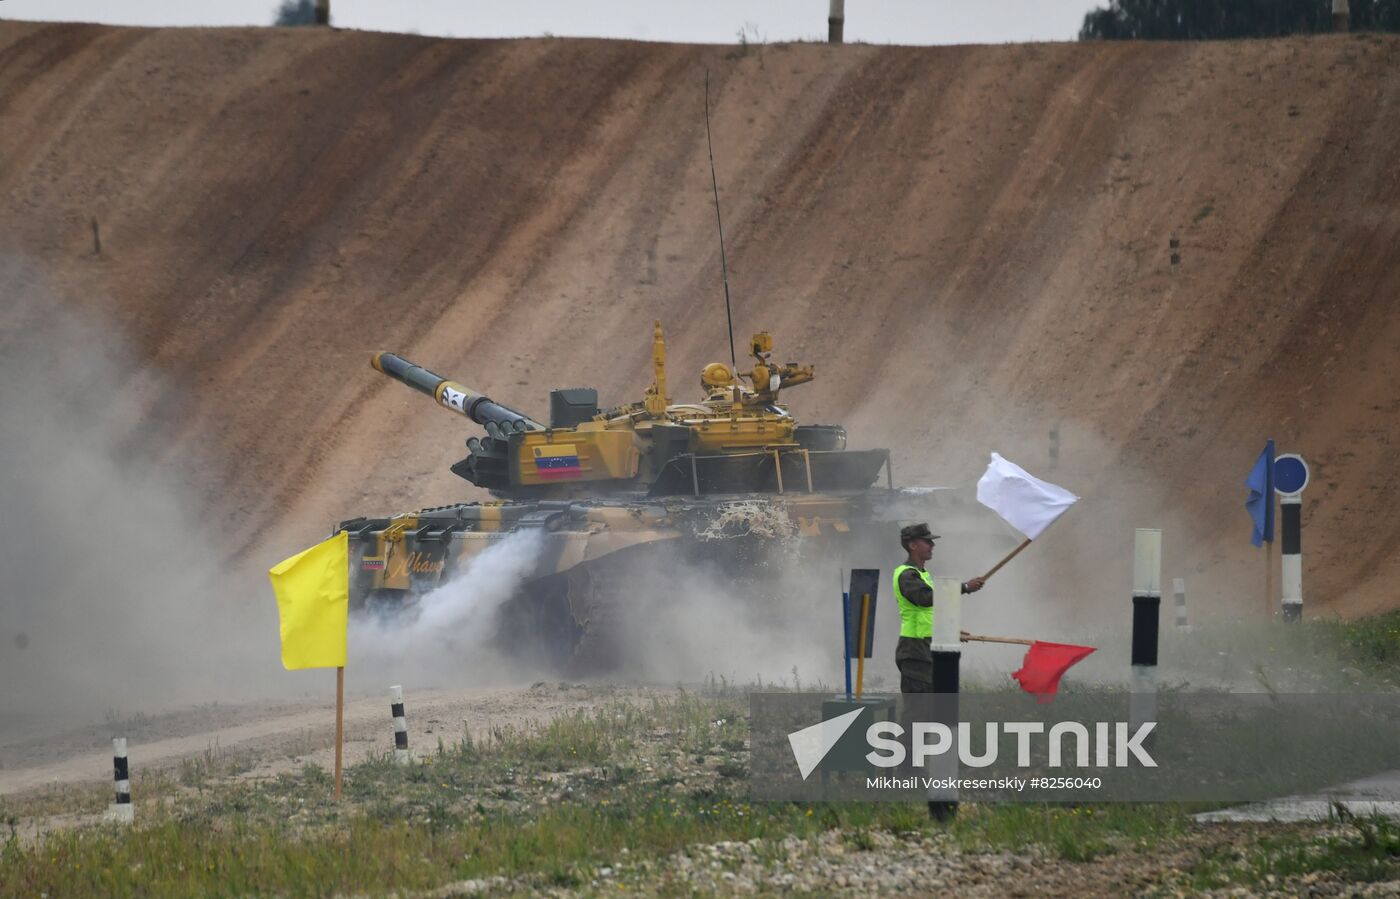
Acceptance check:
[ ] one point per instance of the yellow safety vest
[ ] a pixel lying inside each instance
(914, 621)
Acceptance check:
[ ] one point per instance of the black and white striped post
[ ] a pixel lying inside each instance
(947, 662)
(400, 726)
(1179, 588)
(1290, 477)
(121, 810)
(1147, 605)
(1291, 508)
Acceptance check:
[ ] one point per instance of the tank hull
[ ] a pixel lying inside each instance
(585, 571)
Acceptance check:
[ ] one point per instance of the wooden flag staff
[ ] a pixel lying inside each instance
(1010, 556)
(978, 638)
(339, 722)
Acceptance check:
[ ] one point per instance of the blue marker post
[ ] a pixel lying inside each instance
(1290, 477)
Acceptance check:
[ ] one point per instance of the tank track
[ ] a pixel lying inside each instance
(597, 603)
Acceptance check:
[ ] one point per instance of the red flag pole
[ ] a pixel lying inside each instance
(978, 638)
(339, 723)
(1009, 557)
(860, 653)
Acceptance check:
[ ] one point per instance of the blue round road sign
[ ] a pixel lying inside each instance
(1290, 474)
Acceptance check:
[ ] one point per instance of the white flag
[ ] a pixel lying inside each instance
(1026, 502)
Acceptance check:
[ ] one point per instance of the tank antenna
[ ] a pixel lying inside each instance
(714, 183)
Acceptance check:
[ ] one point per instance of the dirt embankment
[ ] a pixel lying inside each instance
(973, 243)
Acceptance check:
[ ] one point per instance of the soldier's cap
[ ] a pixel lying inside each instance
(918, 531)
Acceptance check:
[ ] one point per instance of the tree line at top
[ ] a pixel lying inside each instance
(1194, 20)
(1154, 20)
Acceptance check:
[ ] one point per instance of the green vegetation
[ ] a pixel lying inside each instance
(1362, 850)
(549, 805)
(1372, 643)
(295, 12)
(1074, 833)
(1178, 20)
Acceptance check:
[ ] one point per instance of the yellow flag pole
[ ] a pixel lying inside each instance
(1009, 557)
(339, 722)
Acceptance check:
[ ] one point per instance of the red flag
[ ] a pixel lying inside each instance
(1045, 664)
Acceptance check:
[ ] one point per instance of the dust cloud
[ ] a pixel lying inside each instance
(449, 638)
(114, 600)
(693, 621)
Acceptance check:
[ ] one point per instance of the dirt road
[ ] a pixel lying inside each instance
(263, 740)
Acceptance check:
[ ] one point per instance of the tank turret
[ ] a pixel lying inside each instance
(735, 439)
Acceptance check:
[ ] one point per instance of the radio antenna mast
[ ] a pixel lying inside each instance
(714, 183)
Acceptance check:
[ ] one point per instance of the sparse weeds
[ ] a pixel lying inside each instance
(56, 799)
(1071, 832)
(1317, 655)
(1373, 643)
(212, 764)
(748, 37)
(1364, 850)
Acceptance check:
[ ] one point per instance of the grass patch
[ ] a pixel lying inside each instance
(1371, 643)
(1074, 833)
(212, 764)
(1364, 850)
(420, 846)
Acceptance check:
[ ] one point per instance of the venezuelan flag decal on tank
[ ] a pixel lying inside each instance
(558, 462)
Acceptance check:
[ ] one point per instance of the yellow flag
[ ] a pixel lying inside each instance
(313, 602)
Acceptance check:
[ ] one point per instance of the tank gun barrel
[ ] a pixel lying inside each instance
(499, 421)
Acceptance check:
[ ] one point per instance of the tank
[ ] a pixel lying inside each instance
(730, 482)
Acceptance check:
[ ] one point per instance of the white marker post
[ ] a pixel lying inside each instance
(1147, 604)
(121, 811)
(1290, 477)
(947, 664)
(400, 726)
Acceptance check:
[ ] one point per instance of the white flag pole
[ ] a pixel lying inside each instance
(1011, 555)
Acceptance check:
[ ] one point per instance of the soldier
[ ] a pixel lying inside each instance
(913, 590)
